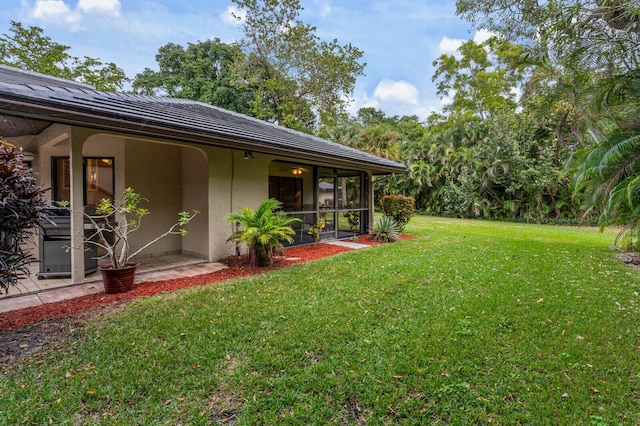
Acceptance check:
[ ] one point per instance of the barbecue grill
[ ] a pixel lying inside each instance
(55, 239)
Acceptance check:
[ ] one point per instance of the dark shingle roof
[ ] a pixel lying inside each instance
(42, 97)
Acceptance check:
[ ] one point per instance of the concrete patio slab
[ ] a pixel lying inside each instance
(153, 270)
(71, 292)
(15, 303)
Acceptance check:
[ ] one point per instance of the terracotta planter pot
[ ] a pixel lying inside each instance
(118, 280)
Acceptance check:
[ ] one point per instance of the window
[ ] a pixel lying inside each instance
(288, 191)
(98, 179)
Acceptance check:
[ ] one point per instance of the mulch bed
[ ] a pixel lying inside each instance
(237, 268)
(26, 330)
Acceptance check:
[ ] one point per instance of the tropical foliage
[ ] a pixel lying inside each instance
(22, 204)
(587, 60)
(263, 231)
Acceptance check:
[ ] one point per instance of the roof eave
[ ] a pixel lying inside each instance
(50, 111)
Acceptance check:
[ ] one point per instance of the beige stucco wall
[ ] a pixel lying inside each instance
(234, 182)
(155, 171)
(195, 196)
(175, 177)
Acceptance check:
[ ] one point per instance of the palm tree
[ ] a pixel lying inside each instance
(263, 230)
(609, 175)
(380, 140)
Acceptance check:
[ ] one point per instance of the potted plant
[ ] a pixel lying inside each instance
(316, 229)
(114, 221)
(263, 231)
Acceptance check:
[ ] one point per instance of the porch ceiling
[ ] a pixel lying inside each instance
(16, 126)
(34, 99)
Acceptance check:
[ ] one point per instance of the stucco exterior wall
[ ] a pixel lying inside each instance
(155, 171)
(176, 177)
(195, 196)
(233, 182)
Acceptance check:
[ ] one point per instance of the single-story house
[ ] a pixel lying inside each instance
(181, 155)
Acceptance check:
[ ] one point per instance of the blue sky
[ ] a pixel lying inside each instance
(400, 38)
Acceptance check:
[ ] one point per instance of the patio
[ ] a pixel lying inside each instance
(33, 291)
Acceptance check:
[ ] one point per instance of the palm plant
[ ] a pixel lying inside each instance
(609, 175)
(263, 231)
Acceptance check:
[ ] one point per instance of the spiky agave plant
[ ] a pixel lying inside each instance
(386, 229)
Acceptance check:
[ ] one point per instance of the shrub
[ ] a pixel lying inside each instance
(263, 230)
(386, 229)
(22, 204)
(399, 207)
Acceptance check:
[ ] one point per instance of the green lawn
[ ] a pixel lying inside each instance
(468, 323)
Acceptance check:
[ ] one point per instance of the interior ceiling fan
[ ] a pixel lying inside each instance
(296, 170)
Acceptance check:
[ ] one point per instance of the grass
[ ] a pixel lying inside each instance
(468, 323)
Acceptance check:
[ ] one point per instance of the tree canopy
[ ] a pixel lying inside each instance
(300, 80)
(482, 79)
(585, 76)
(202, 72)
(29, 49)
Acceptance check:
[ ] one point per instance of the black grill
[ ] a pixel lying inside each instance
(55, 240)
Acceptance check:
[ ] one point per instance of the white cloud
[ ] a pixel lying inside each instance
(445, 100)
(324, 6)
(233, 15)
(516, 92)
(53, 10)
(361, 101)
(400, 92)
(107, 7)
(483, 35)
(449, 46)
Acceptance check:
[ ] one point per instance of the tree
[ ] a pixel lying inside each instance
(301, 81)
(381, 140)
(21, 209)
(482, 79)
(201, 72)
(587, 51)
(29, 49)
(609, 176)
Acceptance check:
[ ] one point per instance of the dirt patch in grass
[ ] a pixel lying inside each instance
(27, 330)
